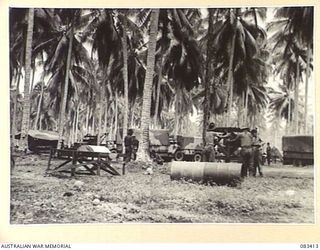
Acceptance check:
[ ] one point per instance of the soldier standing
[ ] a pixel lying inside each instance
(128, 144)
(256, 145)
(246, 141)
(135, 146)
(209, 153)
(268, 153)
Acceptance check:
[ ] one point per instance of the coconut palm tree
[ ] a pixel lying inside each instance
(26, 98)
(281, 103)
(299, 21)
(18, 35)
(75, 69)
(236, 44)
(145, 114)
(177, 52)
(295, 40)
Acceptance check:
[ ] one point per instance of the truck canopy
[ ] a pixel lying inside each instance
(298, 143)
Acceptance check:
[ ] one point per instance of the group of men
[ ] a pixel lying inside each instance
(249, 141)
(251, 150)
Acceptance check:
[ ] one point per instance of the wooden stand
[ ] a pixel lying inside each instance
(92, 162)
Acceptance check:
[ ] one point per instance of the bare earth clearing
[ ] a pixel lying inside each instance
(137, 197)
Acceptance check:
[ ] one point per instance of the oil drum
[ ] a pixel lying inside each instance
(217, 172)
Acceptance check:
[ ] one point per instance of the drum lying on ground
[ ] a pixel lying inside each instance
(205, 171)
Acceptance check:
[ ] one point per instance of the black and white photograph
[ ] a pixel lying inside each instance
(161, 115)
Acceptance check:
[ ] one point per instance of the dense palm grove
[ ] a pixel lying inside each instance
(97, 70)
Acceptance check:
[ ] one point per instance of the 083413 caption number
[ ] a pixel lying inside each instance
(306, 246)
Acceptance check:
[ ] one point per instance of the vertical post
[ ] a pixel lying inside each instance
(49, 161)
(123, 168)
(98, 165)
(74, 162)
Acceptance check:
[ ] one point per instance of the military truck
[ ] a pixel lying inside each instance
(159, 142)
(298, 150)
(187, 148)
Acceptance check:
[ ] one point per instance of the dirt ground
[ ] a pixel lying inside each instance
(143, 198)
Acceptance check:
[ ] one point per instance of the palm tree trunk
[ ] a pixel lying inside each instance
(40, 124)
(101, 96)
(111, 123)
(39, 103)
(77, 122)
(146, 105)
(289, 116)
(73, 127)
(132, 115)
(65, 90)
(242, 105)
(115, 131)
(156, 113)
(296, 98)
(230, 74)
(93, 131)
(306, 90)
(15, 104)
(239, 111)
(26, 99)
(32, 78)
(246, 107)
(87, 119)
(126, 85)
(176, 109)
(207, 78)
(105, 116)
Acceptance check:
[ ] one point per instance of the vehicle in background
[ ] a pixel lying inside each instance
(186, 148)
(41, 140)
(298, 150)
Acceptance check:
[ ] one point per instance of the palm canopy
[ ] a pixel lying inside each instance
(182, 54)
(287, 52)
(43, 32)
(80, 75)
(279, 102)
(299, 21)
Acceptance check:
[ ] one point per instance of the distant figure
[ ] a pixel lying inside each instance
(268, 151)
(208, 153)
(135, 146)
(256, 146)
(128, 144)
(62, 146)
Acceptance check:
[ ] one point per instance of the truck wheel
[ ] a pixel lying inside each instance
(178, 155)
(197, 157)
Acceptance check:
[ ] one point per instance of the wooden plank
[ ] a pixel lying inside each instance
(74, 162)
(98, 165)
(49, 161)
(110, 169)
(61, 165)
(89, 169)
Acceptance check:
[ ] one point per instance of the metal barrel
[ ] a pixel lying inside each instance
(205, 171)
